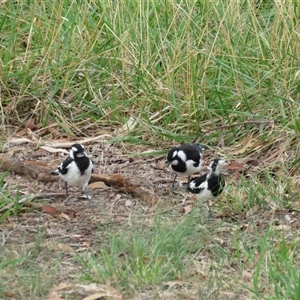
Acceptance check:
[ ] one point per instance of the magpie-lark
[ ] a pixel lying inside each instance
(210, 185)
(186, 160)
(76, 169)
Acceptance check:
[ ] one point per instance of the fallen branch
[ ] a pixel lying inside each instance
(41, 172)
(124, 184)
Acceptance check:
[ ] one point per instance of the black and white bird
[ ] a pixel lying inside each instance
(76, 169)
(186, 160)
(210, 185)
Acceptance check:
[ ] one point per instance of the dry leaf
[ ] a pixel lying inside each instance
(39, 153)
(161, 165)
(253, 162)
(72, 213)
(235, 166)
(97, 185)
(296, 204)
(283, 227)
(37, 126)
(247, 143)
(30, 123)
(12, 104)
(21, 132)
(187, 209)
(128, 126)
(49, 210)
(53, 295)
(65, 216)
(12, 295)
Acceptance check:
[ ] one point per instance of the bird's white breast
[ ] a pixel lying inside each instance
(191, 169)
(74, 175)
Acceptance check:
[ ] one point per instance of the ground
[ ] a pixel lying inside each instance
(51, 245)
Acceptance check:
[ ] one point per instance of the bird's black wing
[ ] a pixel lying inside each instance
(63, 168)
(192, 153)
(216, 184)
(197, 185)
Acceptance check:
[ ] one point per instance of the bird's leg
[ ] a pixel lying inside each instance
(67, 191)
(209, 211)
(187, 186)
(66, 188)
(88, 197)
(173, 183)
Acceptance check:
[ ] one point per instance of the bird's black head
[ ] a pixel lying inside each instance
(199, 147)
(217, 164)
(171, 157)
(77, 151)
(176, 156)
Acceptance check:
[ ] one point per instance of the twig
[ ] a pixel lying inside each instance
(235, 124)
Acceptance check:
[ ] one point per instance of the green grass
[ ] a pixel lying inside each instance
(222, 63)
(33, 268)
(180, 69)
(143, 257)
